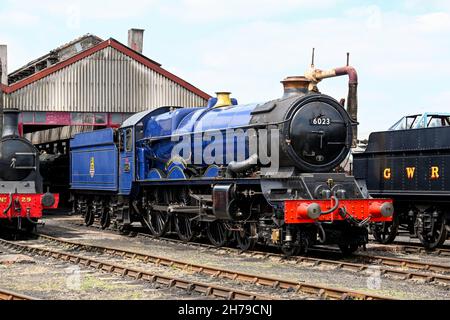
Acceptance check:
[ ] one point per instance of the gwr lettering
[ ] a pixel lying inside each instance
(387, 173)
(434, 173)
(411, 172)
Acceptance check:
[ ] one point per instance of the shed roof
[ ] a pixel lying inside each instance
(100, 46)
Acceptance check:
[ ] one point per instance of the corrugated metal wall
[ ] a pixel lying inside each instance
(106, 81)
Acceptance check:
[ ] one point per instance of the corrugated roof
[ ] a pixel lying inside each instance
(59, 54)
(85, 53)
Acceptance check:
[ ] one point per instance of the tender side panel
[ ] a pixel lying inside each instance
(412, 162)
(94, 161)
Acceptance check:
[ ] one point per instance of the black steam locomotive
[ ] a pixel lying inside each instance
(22, 198)
(410, 163)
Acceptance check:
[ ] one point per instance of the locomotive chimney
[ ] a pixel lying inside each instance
(10, 122)
(136, 39)
(294, 86)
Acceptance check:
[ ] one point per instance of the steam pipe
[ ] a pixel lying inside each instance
(316, 76)
(238, 167)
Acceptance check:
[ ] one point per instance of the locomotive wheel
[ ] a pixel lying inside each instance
(184, 227)
(246, 238)
(217, 233)
(158, 223)
(295, 248)
(437, 238)
(124, 230)
(89, 216)
(348, 249)
(386, 232)
(105, 219)
(29, 227)
(74, 208)
(291, 250)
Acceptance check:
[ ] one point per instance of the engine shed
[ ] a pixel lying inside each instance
(84, 85)
(91, 83)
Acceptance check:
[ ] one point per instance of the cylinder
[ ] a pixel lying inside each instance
(10, 122)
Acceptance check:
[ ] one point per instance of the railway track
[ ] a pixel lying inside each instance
(206, 289)
(345, 266)
(410, 247)
(10, 295)
(317, 291)
(413, 248)
(385, 264)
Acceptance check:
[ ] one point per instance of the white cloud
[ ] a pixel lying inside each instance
(206, 11)
(434, 22)
(372, 15)
(437, 103)
(398, 60)
(18, 19)
(399, 55)
(17, 51)
(88, 9)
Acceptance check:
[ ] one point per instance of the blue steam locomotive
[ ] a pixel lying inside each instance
(255, 173)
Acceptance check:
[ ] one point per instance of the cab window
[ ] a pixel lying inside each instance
(128, 140)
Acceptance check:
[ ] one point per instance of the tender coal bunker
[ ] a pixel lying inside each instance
(318, 134)
(16, 159)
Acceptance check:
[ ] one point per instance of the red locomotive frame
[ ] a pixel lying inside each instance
(360, 209)
(13, 206)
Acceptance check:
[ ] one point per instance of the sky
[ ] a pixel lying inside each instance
(401, 49)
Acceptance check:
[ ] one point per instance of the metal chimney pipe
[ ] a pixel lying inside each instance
(136, 39)
(4, 64)
(10, 122)
(1, 97)
(3, 78)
